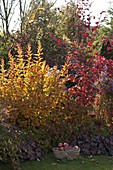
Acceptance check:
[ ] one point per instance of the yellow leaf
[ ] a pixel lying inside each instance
(43, 65)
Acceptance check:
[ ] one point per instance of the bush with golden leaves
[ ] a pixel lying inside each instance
(30, 91)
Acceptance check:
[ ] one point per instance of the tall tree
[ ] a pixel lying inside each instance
(7, 9)
(23, 9)
(110, 18)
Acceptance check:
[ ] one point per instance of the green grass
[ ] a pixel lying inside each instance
(81, 163)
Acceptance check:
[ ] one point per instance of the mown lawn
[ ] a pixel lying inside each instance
(81, 163)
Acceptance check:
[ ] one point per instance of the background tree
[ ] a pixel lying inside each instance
(106, 34)
(42, 22)
(23, 9)
(54, 27)
(7, 9)
(8, 12)
(110, 18)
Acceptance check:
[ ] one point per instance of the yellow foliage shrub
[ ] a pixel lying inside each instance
(30, 92)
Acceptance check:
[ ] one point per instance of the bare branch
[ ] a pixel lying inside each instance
(6, 13)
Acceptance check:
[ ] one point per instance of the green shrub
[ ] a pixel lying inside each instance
(9, 145)
(4, 48)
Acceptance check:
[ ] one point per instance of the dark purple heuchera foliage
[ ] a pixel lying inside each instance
(99, 145)
(30, 150)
